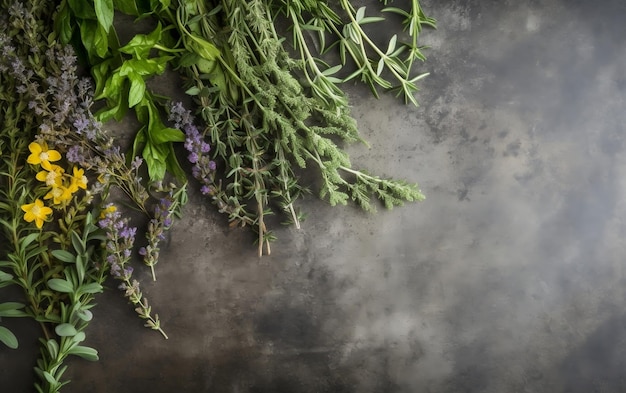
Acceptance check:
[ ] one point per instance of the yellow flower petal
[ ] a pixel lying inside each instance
(37, 212)
(53, 155)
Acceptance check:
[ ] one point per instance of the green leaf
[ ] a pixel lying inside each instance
(101, 41)
(85, 315)
(203, 48)
(128, 7)
(155, 162)
(92, 287)
(331, 70)
(64, 256)
(104, 13)
(167, 134)
(65, 330)
(53, 348)
(360, 13)
(371, 19)
(137, 89)
(12, 309)
(87, 353)
(141, 44)
(188, 59)
(77, 243)
(82, 9)
(392, 44)
(60, 285)
(173, 166)
(63, 24)
(50, 378)
(8, 338)
(79, 337)
(100, 73)
(5, 279)
(381, 66)
(87, 35)
(193, 91)
(143, 67)
(26, 241)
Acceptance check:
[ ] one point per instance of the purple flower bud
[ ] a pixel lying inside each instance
(142, 251)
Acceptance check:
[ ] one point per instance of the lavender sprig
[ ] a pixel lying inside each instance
(119, 245)
(203, 167)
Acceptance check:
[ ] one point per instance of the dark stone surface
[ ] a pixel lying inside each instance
(508, 278)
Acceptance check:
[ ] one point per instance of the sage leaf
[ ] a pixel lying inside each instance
(8, 338)
(65, 330)
(60, 285)
(87, 353)
(64, 256)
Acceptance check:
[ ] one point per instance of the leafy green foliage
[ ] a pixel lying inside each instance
(121, 73)
(265, 121)
(268, 113)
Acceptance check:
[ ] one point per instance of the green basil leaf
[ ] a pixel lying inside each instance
(141, 44)
(128, 7)
(87, 36)
(188, 59)
(140, 139)
(166, 134)
(101, 41)
(104, 13)
(8, 338)
(155, 161)
(173, 166)
(144, 67)
(137, 89)
(82, 9)
(63, 24)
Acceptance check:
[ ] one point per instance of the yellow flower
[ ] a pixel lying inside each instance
(79, 180)
(109, 209)
(53, 177)
(40, 154)
(36, 212)
(59, 195)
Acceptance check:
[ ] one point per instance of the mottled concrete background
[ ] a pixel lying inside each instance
(508, 278)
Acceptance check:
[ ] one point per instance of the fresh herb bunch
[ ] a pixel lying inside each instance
(271, 104)
(120, 73)
(57, 168)
(269, 114)
(46, 224)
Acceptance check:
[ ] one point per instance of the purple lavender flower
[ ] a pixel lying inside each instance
(128, 233)
(75, 154)
(81, 123)
(203, 168)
